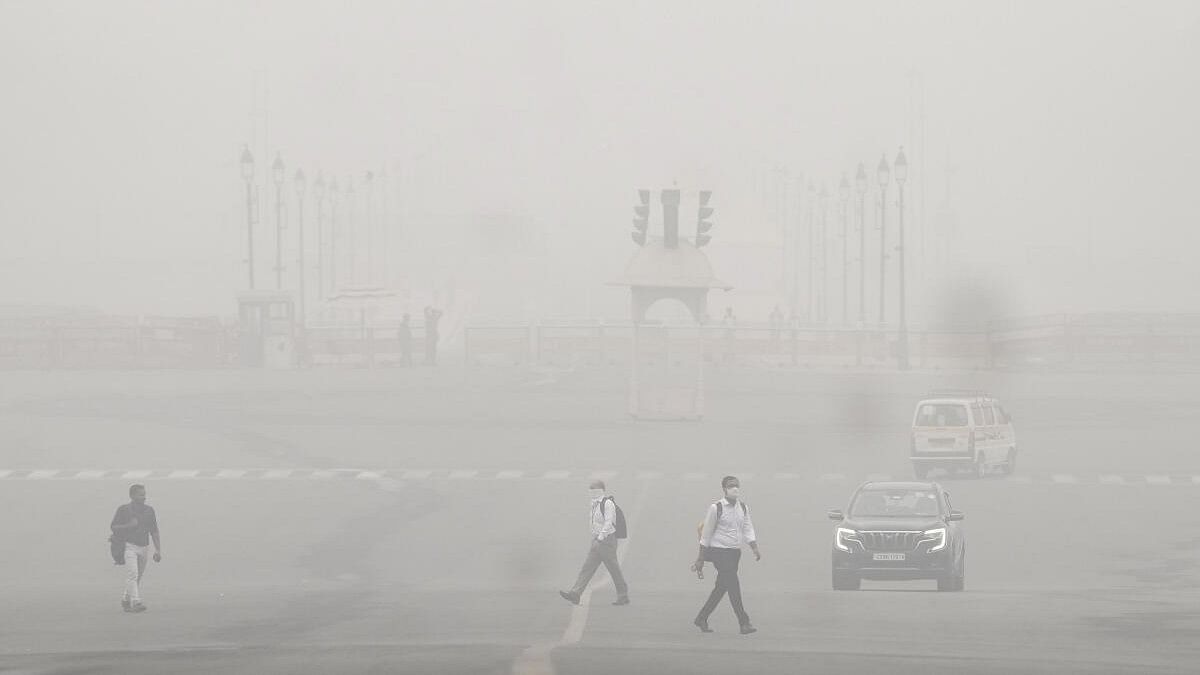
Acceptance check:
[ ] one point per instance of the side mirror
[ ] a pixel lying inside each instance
(836, 514)
(955, 515)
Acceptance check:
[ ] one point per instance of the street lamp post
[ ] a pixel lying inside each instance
(351, 244)
(367, 236)
(883, 174)
(901, 176)
(334, 193)
(860, 185)
(301, 186)
(247, 163)
(319, 197)
(812, 252)
(277, 175)
(844, 194)
(824, 255)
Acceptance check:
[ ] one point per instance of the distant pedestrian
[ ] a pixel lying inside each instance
(432, 317)
(136, 523)
(405, 336)
(727, 525)
(607, 526)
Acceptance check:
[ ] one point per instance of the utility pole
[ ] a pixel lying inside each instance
(883, 174)
(277, 174)
(247, 163)
(844, 194)
(901, 177)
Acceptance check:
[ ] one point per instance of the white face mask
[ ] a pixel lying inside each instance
(733, 492)
(596, 494)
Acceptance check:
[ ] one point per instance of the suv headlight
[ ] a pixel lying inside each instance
(937, 537)
(844, 535)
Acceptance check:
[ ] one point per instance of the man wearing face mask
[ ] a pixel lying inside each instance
(727, 526)
(603, 547)
(137, 524)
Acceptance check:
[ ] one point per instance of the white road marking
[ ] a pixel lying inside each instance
(1158, 480)
(83, 475)
(322, 474)
(1064, 479)
(183, 473)
(417, 474)
(509, 475)
(135, 474)
(231, 473)
(276, 474)
(42, 474)
(556, 475)
(463, 474)
(369, 475)
(1112, 480)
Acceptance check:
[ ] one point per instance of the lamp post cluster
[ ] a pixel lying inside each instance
(815, 220)
(328, 199)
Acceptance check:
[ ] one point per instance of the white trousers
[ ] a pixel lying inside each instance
(135, 567)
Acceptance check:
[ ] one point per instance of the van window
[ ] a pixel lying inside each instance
(942, 415)
(977, 415)
(988, 416)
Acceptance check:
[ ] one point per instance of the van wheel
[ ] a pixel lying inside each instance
(1011, 464)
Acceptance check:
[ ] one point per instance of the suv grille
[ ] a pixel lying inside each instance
(889, 541)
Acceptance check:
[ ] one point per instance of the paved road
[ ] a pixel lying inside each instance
(387, 521)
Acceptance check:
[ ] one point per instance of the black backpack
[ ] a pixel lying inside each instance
(622, 531)
(721, 509)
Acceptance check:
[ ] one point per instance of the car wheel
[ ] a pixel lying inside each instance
(921, 472)
(845, 581)
(1010, 465)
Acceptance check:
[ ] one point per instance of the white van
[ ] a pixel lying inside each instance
(962, 430)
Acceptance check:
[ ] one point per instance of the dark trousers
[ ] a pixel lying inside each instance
(726, 561)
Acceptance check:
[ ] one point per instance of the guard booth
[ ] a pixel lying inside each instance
(267, 329)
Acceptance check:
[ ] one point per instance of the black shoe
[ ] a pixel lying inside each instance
(623, 600)
(702, 624)
(569, 597)
(748, 629)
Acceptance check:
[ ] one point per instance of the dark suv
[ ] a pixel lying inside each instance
(898, 531)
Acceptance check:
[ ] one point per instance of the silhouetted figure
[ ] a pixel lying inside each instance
(726, 527)
(404, 334)
(432, 317)
(136, 523)
(606, 530)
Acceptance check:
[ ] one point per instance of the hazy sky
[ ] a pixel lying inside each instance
(123, 122)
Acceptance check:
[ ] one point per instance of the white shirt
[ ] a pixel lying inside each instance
(734, 528)
(603, 524)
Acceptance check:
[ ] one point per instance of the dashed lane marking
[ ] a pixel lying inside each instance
(1058, 479)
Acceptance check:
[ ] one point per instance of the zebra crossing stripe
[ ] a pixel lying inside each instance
(417, 474)
(368, 475)
(463, 474)
(182, 474)
(1158, 480)
(230, 473)
(276, 474)
(135, 474)
(87, 475)
(42, 474)
(556, 475)
(1112, 480)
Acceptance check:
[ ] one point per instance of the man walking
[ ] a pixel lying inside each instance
(405, 336)
(727, 526)
(136, 523)
(432, 334)
(603, 547)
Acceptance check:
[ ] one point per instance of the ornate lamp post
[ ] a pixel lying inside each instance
(901, 166)
(247, 163)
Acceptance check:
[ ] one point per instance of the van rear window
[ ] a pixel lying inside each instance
(942, 415)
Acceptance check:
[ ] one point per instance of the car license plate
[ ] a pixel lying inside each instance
(889, 556)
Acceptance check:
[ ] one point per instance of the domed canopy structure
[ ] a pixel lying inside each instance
(657, 272)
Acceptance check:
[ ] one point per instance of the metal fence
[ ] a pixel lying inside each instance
(185, 342)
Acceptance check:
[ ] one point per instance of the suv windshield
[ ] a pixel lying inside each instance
(899, 503)
(942, 415)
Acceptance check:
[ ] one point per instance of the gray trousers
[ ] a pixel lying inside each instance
(602, 552)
